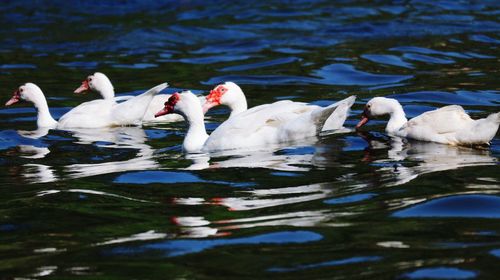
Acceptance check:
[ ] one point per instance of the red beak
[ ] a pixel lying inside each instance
(84, 87)
(162, 112)
(207, 105)
(363, 121)
(169, 105)
(14, 99)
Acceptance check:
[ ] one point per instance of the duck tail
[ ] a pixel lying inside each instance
(333, 116)
(132, 110)
(495, 117)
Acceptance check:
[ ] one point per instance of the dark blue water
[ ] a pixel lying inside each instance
(126, 203)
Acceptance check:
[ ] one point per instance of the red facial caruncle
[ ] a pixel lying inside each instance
(213, 99)
(216, 94)
(169, 105)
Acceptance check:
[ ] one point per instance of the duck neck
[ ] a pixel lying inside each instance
(238, 103)
(239, 106)
(44, 118)
(196, 134)
(107, 93)
(397, 119)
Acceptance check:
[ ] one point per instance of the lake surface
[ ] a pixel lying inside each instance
(126, 203)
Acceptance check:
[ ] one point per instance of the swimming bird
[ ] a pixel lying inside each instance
(92, 114)
(100, 83)
(231, 95)
(282, 121)
(447, 125)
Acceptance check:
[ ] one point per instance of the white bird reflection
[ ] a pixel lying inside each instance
(133, 138)
(117, 137)
(259, 159)
(198, 227)
(284, 157)
(264, 198)
(33, 152)
(313, 218)
(427, 156)
(38, 173)
(34, 134)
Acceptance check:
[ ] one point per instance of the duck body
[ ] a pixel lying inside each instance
(447, 125)
(95, 113)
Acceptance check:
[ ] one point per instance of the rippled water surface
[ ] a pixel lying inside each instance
(125, 202)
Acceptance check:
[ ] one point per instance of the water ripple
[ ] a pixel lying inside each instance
(181, 247)
(441, 273)
(345, 74)
(465, 206)
(352, 260)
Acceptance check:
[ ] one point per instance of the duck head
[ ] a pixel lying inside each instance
(229, 94)
(97, 82)
(27, 92)
(169, 105)
(377, 106)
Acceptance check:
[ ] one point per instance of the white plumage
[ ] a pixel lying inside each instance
(447, 125)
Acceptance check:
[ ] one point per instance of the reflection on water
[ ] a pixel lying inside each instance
(408, 160)
(181, 247)
(119, 138)
(466, 206)
(39, 173)
(347, 261)
(441, 273)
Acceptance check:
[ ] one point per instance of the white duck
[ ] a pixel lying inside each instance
(446, 125)
(231, 95)
(92, 114)
(261, 126)
(98, 82)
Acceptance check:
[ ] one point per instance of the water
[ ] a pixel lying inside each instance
(125, 202)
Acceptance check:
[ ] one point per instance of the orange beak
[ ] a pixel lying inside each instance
(84, 87)
(14, 99)
(364, 119)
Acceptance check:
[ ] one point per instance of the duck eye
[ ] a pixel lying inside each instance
(90, 79)
(21, 90)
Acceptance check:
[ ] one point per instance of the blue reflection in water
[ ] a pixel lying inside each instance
(173, 248)
(427, 58)
(495, 252)
(484, 39)
(11, 138)
(421, 50)
(387, 59)
(463, 97)
(467, 206)
(350, 198)
(257, 65)
(304, 150)
(441, 273)
(327, 263)
(168, 177)
(17, 66)
(345, 74)
(8, 227)
(286, 174)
